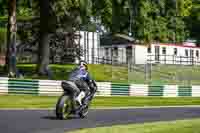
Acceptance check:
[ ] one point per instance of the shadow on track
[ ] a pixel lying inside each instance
(55, 118)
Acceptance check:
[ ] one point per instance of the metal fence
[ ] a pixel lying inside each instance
(164, 74)
(173, 60)
(120, 67)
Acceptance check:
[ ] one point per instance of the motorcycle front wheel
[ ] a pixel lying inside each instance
(84, 112)
(63, 107)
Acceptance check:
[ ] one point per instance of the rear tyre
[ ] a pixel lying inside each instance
(63, 107)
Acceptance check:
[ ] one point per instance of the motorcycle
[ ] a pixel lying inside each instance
(67, 106)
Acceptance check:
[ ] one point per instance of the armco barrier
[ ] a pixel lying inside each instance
(52, 87)
(23, 86)
(3, 85)
(119, 89)
(49, 87)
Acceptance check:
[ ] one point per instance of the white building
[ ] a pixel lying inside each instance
(127, 51)
(186, 54)
(89, 43)
(123, 49)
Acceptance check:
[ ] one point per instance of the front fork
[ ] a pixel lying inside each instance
(86, 102)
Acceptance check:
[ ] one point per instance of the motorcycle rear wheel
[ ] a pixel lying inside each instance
(63, 107)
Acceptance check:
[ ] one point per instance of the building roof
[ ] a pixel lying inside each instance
(116, 39)
(187, 45)
(124, 40)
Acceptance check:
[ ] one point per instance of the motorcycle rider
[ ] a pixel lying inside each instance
(81, 77)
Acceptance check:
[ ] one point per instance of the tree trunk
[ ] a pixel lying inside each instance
(43, 54)
(10, 66)
(43, 48)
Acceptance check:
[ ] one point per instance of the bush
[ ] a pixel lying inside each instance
(2, 39)
(60, 72)
(98, 72)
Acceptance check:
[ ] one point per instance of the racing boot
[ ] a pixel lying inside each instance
(80, 97)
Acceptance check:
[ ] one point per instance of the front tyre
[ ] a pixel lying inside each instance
(84, 112)
(63, 107)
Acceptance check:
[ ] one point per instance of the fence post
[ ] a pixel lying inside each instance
(180, 60)
(129, 69)
(146, 71)
(150, 71)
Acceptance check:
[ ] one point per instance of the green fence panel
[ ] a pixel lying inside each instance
(155, 90)
(16, 86)
(184, 91)
(120, 89)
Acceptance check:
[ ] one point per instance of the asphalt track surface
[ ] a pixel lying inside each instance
(44, 121)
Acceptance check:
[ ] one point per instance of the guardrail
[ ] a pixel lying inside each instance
(53, 88)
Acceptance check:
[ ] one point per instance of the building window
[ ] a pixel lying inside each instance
(115, 51)
(197, 53)
(164, 50)
(149, 49)
(186, 52)
(175, 51)
(128, 53)
(106, 52)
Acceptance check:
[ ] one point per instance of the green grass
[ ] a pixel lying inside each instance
(29, 101)
(161, 74)
(2, 36)
(106, 73)
(180, 126)
(168, 74)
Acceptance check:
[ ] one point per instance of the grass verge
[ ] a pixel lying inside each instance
(162, 74)
(180, 126)
(30, 101)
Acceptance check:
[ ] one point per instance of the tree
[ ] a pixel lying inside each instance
(151, 20)
(145, 21)
(66, 16)
(184, 7)
(43, 47)
(24, 8)
(11, 39)
(193, 21)
(120, 21)
(3, 10)
(102, 10)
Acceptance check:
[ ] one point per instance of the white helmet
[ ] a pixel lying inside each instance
(83, 63)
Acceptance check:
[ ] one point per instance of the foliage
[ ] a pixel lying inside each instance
(3, 10)
(119, 12)
(152, 20)
(149, 21)
(193, 21)
(102, 10)
(60, 50)
(66, 16)
(2, 39)
(24, 8)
